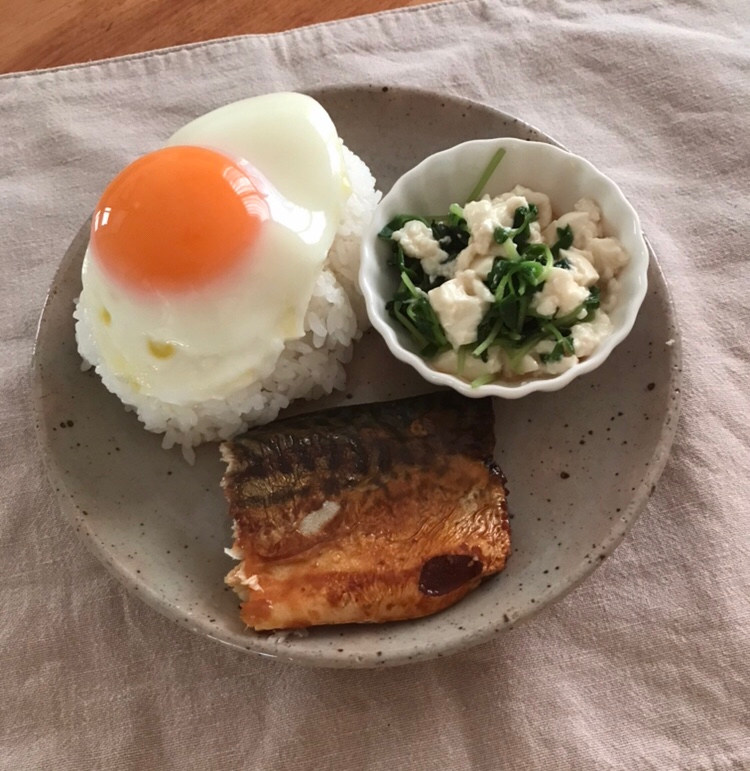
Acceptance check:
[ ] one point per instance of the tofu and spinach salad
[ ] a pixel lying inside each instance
(499, 289)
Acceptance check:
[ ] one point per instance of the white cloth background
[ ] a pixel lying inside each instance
(646, 666)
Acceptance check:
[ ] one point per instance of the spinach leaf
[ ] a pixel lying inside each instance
(453, 238)
(563, 344)
(590, 304)
(564, 240)
(411, 307)
(522, 219)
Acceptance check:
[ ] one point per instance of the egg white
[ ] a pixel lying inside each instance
(211, 342)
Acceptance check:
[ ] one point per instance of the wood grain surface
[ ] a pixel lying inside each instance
(50, 33)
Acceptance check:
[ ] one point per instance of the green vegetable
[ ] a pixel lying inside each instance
(563, 345)
(519, 233)
(510, 323)
(564, 241)
(482, 380)
(517, 353)
(411, 307)
(590, 304)
(461, 360)
(488, 172)
(453, 238)
(456, 213)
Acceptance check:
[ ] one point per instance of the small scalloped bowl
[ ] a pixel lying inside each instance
(448, 177)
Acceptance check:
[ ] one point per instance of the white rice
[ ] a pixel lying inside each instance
(307, 368)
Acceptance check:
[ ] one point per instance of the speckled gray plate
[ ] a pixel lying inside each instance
(581, 462)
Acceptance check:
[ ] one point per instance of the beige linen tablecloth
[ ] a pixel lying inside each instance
(646, 666)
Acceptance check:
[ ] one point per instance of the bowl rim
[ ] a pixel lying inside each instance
(383, 324)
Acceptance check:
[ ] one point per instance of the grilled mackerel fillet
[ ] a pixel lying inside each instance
(376, 512)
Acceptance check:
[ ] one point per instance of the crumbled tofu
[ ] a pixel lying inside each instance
(592, 210)
(581, 268)
(588, 335)
(540, 200)
(462, 301)
(460, 305)
(608, 256)
(610, 295)
(584, 221)
(481, 265)
(560, 295)
(527, 365)
(553, 367)
(417, 241)
(546, 346)
(535, 234)
(560, 366)
(483, 217)
(473, 367)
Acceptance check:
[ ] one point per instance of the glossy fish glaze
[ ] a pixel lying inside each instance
(363, 514)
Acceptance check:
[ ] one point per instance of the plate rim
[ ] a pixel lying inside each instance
(477, 636)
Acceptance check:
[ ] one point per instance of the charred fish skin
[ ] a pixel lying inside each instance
(349, 443)
(366, 513)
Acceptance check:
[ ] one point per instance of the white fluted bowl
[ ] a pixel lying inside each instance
(448, 177)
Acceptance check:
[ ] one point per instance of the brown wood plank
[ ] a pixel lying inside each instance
(50, 33)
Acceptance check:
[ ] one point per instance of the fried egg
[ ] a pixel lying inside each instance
(203, 254)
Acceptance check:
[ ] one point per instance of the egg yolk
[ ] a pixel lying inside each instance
(177, 219)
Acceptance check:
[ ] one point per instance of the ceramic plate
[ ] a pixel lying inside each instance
(581, 462)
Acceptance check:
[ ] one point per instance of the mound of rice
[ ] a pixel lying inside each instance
(307, 368)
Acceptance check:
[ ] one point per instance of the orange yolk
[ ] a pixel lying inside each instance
(177, 219)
